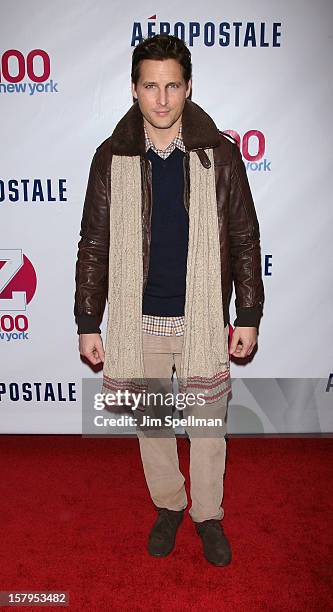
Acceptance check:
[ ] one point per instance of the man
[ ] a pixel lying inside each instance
(168, 224)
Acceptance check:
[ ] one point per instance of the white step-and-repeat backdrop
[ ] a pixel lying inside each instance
(261, 70)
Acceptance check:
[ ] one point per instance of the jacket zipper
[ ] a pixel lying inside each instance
(186, 194)
(150, 186)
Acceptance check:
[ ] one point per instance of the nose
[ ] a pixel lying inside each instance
(162, 97)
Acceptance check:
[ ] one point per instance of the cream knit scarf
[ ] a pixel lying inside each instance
(205, 358)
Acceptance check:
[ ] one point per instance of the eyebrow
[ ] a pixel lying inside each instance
(154, 83)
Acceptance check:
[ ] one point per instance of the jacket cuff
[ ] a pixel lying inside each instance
(248, 317)
(88, 324)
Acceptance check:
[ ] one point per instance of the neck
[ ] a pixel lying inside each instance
(161, 138)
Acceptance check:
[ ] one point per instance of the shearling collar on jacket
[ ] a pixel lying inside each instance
(198, 129)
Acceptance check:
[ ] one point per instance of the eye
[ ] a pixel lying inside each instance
(149, 86)
(173, 85)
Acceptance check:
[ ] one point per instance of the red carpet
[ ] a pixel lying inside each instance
(75, 515)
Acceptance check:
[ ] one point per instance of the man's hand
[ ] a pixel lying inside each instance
(247, 337)
(91, 347)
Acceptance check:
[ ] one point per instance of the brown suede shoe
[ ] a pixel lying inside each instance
(162, 537)
(215, 544)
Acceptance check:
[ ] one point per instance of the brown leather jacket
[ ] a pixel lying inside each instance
(238, 223)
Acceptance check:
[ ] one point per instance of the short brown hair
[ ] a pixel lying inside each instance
(161, 47)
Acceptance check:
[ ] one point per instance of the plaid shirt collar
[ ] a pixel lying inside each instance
(177, 142)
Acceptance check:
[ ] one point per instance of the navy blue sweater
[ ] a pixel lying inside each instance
(166, 287)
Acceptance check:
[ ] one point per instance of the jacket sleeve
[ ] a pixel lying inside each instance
(91, 272)
(245, 247)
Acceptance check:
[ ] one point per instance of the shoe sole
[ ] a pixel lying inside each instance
(159, 555)
(218, 564)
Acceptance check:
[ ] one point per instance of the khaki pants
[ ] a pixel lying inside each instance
(159, 454)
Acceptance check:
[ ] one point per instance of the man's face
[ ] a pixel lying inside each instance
(161, 92)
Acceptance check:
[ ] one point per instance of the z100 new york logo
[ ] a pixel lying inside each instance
(18, 282)
(26, 73)
(253, 147)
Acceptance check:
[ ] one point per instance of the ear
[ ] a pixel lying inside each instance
(189, 87)
(134, 94)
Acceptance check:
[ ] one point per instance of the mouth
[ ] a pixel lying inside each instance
(162, 113)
